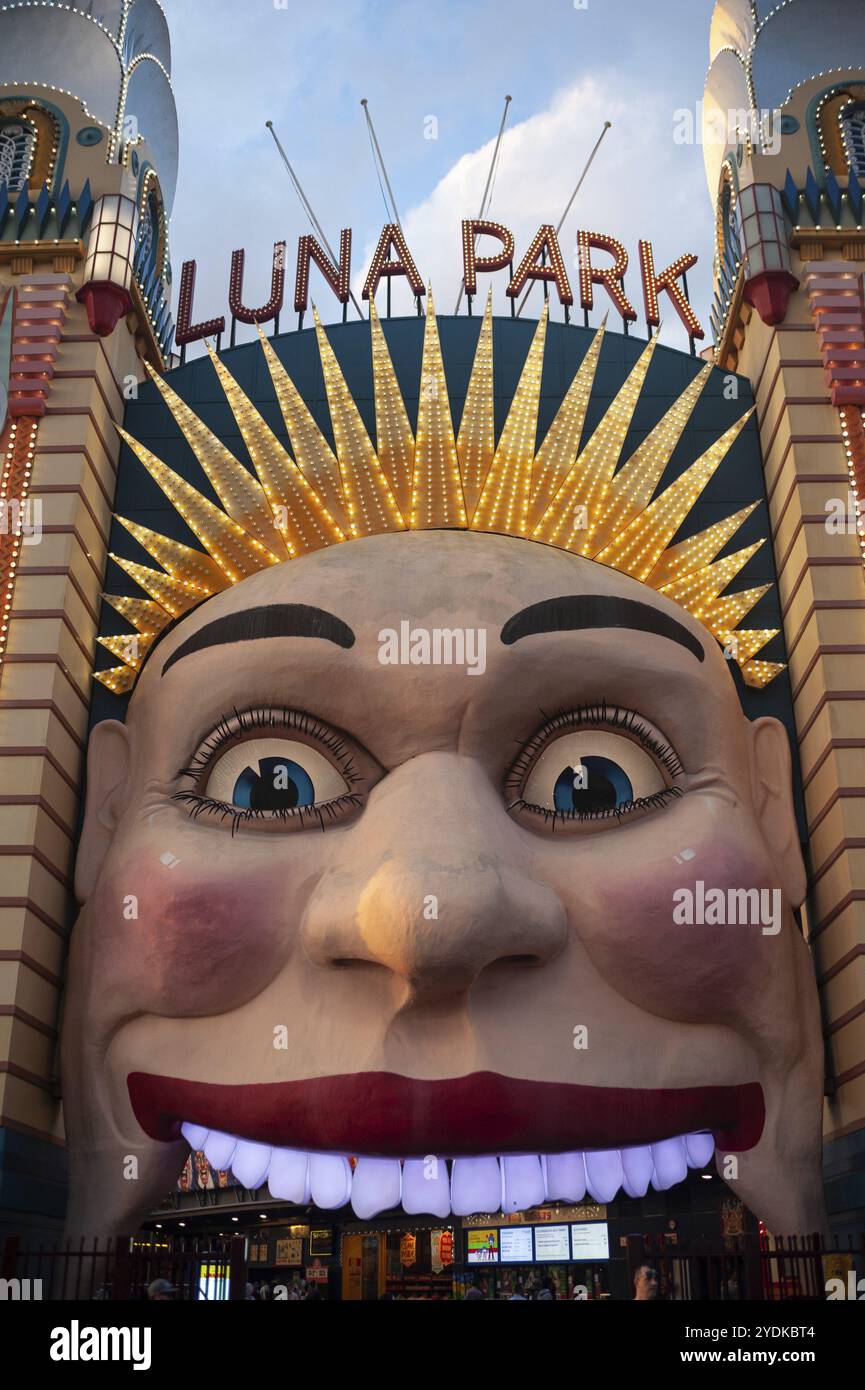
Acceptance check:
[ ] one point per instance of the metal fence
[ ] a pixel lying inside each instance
(196, 1270)
(751, 1266)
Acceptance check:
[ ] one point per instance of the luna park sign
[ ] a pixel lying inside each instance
(542, 261)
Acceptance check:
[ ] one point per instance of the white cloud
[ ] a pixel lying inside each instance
(640, 185)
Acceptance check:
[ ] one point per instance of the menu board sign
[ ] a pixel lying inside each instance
(552, 1243)
(590, 1241)
(516, 1244)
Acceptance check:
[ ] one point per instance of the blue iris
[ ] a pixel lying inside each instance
(278, 784)
(601, 786)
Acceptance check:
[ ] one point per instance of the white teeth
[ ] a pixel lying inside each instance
(699, 1148)
(218, 1149)
(671, 1164)
(329, 1180)
(637, 1170)
(511, 1183)
(476, 1185)
(288, 1176)
(195, 1136)
(250, 1163)
(376, 1186)
(603, 1173)
(565, 1177)
(426, 1187)
(522, 1182)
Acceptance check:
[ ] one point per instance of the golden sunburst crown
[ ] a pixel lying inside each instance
(570, 494)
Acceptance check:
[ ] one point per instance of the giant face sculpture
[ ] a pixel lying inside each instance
(415, 910)
(385, 951)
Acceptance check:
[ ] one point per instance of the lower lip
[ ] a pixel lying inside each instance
(390, 1116)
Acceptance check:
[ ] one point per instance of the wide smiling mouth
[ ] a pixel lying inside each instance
(459, 1146)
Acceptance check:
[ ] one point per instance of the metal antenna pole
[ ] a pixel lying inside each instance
(365, 104)
(561, 221)
(307, 207)
(486, 191)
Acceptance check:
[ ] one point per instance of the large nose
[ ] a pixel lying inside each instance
(433, 884)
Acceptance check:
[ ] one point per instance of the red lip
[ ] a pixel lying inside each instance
(382, 1114)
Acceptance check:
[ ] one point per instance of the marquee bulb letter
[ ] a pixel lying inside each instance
(382, 265)
(653, 284)
(471, 263)
(187, 331)
(611, 277)
(545, 239)
(337, 276)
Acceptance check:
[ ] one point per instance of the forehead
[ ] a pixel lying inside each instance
(434, 575)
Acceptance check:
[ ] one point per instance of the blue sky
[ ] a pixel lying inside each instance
(567, 65)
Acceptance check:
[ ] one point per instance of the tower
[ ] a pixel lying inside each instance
(784, 145)
(88, 164)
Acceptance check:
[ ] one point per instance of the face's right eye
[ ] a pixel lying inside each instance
(273, 774)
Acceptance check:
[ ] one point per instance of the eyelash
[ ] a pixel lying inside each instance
(228, 732)
(598, 715)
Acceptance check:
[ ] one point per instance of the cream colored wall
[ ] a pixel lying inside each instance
(821, 583)
(45, 688)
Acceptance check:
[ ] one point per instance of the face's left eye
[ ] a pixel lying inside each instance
(596, 764)
(273, 774)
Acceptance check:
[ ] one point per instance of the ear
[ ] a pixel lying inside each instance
(772, 791)
(107, 770)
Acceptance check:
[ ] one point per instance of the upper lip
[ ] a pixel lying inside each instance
(387, 1115)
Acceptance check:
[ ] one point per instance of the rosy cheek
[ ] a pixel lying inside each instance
(625, 920)
(192, 941)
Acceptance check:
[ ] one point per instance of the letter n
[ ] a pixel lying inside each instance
(337, 276)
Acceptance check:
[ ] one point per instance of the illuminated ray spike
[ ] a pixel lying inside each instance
(559, 450)
(241, 495)
(180, 561)
(728, 612)
(394, 440)
(236, 553)
(476, 441)
(505, 498)
(578, 505)
(436, 494)
(637, 549)
(313, 455)
(369, 500)
(631, 489)
(698, 550)
(760, 673)
(144, 615)
(176, 596)
(746, 642)
(130, 647)
(299, 512)
(118, 679)
(699, 588)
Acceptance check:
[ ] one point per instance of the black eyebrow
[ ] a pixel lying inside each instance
(272, 620)
(575, 611)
